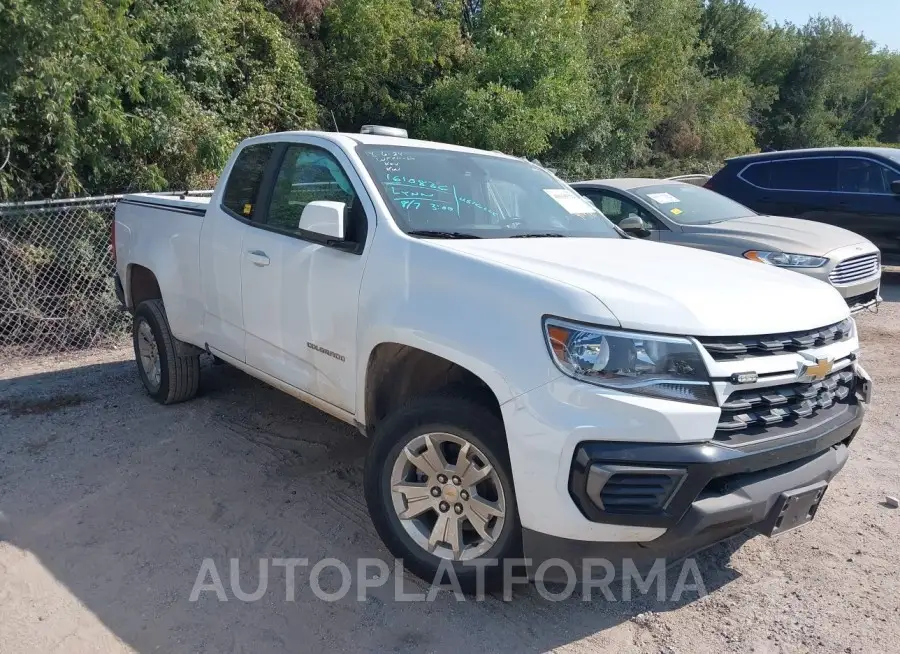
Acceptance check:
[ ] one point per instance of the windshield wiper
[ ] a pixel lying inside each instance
(546, 235)
(438, 234)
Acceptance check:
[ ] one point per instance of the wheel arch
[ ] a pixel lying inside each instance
(395, 372)
(141, 285)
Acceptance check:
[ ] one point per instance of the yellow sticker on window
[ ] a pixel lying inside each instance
(248, 208)
(676, 211)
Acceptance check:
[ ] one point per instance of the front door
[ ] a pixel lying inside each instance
(301, 298)
(866, 205)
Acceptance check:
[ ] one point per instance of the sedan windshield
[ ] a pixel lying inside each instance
(691, 205)
(438, 193)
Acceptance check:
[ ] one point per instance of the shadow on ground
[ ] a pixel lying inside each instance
(121, 500)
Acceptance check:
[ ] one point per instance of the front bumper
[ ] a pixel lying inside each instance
(724, 492)
(863, 301)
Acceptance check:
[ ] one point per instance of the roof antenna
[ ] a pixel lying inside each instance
(334, 121)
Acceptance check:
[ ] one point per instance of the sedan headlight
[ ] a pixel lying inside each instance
(660, 366)
(786, 259)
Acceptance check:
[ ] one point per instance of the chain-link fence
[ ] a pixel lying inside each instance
(56, 287)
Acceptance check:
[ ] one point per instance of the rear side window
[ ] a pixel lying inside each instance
(242, 187)
(864, 176)
(819, 174)
(757, 174)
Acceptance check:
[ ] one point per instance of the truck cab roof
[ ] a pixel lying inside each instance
(351, 139)
(890, 153)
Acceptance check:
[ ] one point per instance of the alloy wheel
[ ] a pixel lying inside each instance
(447, 496)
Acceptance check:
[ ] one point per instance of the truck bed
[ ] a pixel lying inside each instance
(191, 204)
(161, 232)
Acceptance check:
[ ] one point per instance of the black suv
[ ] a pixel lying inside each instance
(854, 188)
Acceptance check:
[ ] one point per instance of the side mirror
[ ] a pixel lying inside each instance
(323, 218)
(634, 225)
(895, 187)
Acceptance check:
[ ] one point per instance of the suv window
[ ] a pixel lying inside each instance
(864, 176)
(756, 174)
(308, 174)
(246, 175)
(814, 174)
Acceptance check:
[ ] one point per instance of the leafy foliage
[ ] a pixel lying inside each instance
(100, 96)
(523, 82)
(377, 57)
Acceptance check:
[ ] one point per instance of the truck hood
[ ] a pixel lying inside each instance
(670, 289)
(784, 234)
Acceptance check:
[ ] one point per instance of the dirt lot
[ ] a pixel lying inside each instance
(109, 503)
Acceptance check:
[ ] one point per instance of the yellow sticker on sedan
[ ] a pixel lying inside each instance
(676, 211)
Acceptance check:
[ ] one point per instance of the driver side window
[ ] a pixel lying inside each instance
(618, 208)
(308, 174)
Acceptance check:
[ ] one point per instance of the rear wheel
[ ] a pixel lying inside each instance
(440, 492)
(167, 376)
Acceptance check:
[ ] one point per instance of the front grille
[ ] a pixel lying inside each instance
(855, 268)
(629, 492)
(753, 412)
(725, 348)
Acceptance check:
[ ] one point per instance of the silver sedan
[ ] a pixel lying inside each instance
(684, 214)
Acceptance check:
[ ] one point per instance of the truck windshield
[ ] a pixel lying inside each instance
(692, 205)
(452, 194)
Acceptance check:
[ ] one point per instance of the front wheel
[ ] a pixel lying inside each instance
(439, 489)
(167, 376)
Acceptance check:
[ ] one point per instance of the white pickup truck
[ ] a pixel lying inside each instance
(533, 381)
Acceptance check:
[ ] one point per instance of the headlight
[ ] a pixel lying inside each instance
(660, 366)
(786, 259)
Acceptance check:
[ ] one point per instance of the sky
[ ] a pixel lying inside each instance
(879, 20)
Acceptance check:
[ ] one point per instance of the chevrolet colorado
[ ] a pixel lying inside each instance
(534, 382)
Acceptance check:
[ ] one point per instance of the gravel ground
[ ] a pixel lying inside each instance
(109, 504)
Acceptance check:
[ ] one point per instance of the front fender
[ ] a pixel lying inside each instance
(478, 314)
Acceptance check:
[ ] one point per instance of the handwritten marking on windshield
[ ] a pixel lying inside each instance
(475, 204)
(441, 189)
(410, 194)
(399, 180)
(423, 197)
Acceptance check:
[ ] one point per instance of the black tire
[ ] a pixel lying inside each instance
(464, 418)
(179, 375)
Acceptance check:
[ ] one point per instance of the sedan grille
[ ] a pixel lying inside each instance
(749, 413)
(855, 268)
(725, 348)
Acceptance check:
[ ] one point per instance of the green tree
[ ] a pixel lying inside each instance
(643, 53)
(735, 33)
(100, 97)
(523, 83)
(825, 86)
(376, 58)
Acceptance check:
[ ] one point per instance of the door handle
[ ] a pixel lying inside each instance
(258, 257)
